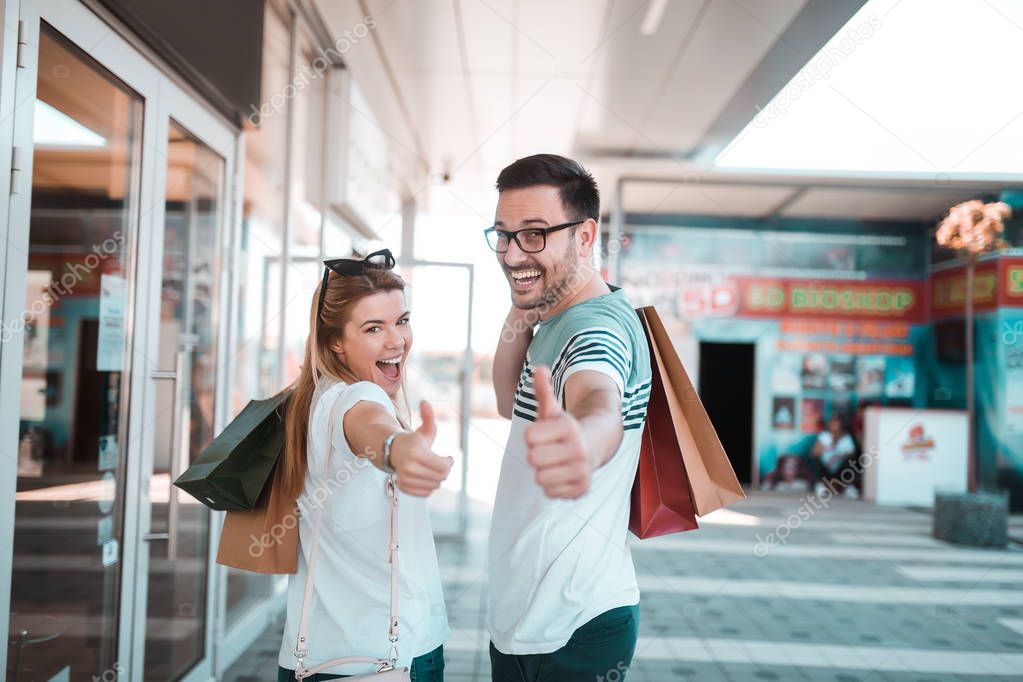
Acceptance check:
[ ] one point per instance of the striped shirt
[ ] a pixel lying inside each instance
(599, 349)
(556, 564)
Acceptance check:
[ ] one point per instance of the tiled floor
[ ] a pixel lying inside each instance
(853, 592)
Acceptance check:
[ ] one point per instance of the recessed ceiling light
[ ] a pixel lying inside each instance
(654, 13)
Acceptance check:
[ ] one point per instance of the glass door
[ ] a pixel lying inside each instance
(185, 380)
(177, 589)
(86, 141)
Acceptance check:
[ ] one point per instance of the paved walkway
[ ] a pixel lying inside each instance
(776, 588)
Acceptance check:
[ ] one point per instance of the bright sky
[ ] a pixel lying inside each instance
(914, 86)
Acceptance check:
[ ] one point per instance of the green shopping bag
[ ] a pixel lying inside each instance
(232, 471)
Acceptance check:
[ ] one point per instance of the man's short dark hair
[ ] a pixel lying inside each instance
(576, 187)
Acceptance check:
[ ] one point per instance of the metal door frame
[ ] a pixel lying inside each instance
(465, 407)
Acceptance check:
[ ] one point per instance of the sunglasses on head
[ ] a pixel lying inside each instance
(353, 267)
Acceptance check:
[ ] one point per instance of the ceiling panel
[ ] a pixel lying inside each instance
(418, 36)
(571, 77)
(629, 67)
(715, 200)
(556, 34)
(727, 47)
(445, 124)
(876, 204)
(367, 69)
(624, 51)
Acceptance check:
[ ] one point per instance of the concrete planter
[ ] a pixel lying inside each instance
(978, 519)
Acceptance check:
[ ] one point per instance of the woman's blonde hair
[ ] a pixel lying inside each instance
(342, 293)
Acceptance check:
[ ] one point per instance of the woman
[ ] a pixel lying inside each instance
(790, 474)
(832, 451)
(355, 356)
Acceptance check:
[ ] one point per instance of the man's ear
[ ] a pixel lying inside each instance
(587, 234)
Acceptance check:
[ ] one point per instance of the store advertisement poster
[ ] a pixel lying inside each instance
(900, 378)
(1011, 339)
(783, 414)
(785, 374)
(870, 376)
(812, 415)
(110, 346)
(842, 375)
(815, 371)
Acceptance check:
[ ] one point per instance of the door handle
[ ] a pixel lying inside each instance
(180, 441)
(180, 426)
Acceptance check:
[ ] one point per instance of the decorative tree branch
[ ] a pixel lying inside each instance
(972, 227)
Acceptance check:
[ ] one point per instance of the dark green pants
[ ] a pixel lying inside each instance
(426, 668)
(599, 651)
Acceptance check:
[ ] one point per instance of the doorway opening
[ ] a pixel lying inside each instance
(726, 389)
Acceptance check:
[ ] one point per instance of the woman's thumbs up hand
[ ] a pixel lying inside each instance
(418, 469)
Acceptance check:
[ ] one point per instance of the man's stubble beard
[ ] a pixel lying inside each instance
(568, 268)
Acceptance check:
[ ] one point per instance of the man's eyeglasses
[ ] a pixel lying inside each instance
(530, 240)
(351, 267)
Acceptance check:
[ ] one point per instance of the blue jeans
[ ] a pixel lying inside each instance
(426, 668)
(600, 649)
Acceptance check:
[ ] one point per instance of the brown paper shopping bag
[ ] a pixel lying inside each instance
(661, 501)
(265, 538)
(712, 481)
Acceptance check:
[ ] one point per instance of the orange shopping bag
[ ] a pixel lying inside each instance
(683, 470)
(265, 538)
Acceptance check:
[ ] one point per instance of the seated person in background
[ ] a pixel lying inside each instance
(790, 474)
(832, 452)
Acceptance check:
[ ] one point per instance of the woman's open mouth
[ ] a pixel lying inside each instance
(390, 368)
(524, 280)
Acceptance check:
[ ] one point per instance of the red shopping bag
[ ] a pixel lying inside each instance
(661, 503)
(683, 470)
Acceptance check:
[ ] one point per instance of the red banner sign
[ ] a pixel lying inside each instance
(996, 283)
(878, 300)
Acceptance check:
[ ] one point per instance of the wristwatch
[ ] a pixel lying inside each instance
(387, 452)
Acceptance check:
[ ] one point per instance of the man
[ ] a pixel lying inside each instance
(563, 601)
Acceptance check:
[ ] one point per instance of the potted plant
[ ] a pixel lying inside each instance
(978, 518)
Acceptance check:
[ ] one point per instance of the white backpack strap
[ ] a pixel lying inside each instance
(301, 648)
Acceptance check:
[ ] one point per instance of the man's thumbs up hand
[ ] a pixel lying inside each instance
(418, 469)
(547, 403)
(554, 444)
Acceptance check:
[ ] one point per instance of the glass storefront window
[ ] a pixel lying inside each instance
(304, 268)
(75, 381)
(307, 154)
(261, 245)
(337, 240)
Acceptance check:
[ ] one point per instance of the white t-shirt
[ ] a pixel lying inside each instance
(556, 564)
(350, 608)
(834, 454)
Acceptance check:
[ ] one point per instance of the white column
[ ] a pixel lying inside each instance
(408, 229)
